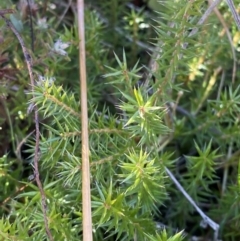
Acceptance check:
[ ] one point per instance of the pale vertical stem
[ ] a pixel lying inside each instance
(86, 193)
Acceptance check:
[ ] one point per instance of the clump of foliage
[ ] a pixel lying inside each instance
(161, 102)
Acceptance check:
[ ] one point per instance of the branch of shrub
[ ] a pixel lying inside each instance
(206, 219)
(28, 59)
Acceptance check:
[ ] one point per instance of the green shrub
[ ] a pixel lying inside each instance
(163, 106)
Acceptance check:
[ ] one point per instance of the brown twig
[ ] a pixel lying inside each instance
(6, 11)
(17, 191)
(86, 193)
(27, 58)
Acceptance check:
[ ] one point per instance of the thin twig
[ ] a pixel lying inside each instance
(64, 13)
(15, 194)
(86, 191)
(158, 50)
(17, 152)
(221, 84)
(202, 20)
(6, 11)
(234, 12)
(123, 33)
(205, 218)
(31, 25)
(9, 122)
(221, 19)
(27, 58)
(226, 167)
(45, 7)
(204, 16)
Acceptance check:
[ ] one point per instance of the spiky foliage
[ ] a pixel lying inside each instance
(183, 113)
